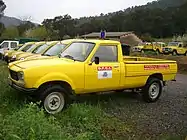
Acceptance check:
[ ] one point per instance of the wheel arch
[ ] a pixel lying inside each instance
(64, 84)
(156, 75)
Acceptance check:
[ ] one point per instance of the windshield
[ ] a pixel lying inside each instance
(39, 49)
(33, 46)
(173, 44)
(19, 47)
(55, 50)
(25, 48)
(78, 51)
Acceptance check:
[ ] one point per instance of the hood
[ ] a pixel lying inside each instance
(42, 62)
(17, 53)
(32, 56)
(23, 55)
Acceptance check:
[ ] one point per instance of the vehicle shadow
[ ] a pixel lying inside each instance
(115, 97)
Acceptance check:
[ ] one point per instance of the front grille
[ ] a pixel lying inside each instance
(13, 75)
(166, 49)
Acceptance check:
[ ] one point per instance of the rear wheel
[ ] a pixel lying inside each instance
(185, 53)
(174, 53)
(152, 90)
(53, 98)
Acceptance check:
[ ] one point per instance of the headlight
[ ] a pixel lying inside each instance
(21, 75)
(22, 58)
(14, 56)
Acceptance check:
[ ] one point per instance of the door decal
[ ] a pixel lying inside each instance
(104, 72)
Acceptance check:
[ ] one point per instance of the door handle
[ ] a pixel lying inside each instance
(116, 66)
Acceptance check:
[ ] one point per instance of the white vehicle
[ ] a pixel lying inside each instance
(8, 45)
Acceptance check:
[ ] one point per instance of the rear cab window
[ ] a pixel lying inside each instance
(13, 44)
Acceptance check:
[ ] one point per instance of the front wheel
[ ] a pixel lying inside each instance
(152, 90)
(157, 52)
(54, 99)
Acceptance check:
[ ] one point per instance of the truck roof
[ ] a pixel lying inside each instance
(100, 41)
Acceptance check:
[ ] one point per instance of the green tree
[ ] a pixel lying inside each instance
(22, 28)
(38, 32)
(10, 33)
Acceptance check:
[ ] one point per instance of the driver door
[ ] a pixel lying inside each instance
(106, 74)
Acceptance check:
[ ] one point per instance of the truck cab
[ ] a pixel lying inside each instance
(90, 66)
(175, 48)
(8, 45)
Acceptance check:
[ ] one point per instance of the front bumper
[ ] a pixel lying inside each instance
(19, 88)
(11, 60)
(166, 52)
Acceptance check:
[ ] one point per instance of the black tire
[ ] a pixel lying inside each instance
(1, 56)
(148, 95)
(157, 51)
(174, 53)
(185, 53)
(50, 96)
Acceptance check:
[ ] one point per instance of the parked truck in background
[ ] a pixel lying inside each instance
(176, 48)
(7, 45)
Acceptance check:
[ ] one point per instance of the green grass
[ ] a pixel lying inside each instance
(89, 119)
(23, 120)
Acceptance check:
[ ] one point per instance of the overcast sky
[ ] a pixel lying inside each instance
(41, 9)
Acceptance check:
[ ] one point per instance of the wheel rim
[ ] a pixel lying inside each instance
(54, 102)
(154, 90)
(174, 53)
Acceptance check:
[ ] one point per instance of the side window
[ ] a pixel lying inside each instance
(180, 45)
(107, 54)
(13, 44)
(4, 45)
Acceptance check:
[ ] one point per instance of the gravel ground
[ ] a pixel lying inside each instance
(166, 117)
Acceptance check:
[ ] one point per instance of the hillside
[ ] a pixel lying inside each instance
(161, 4)
(10, 21)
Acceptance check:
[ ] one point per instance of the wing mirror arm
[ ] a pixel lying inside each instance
(96, 60)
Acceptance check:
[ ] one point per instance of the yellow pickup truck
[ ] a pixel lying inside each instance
(90, 66)
(175, 48)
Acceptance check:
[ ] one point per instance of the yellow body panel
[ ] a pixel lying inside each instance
(127, 72)
(155, 46)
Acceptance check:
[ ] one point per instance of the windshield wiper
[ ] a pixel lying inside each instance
(70, 57)
(46, 55)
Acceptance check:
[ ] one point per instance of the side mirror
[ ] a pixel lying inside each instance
(96, 60)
